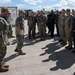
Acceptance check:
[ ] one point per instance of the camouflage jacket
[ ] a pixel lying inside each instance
(31, 20)
(68, 22)
(41, 19)
(3, 28)
(20, 23)
(62, 20)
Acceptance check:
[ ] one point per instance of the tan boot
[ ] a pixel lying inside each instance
(22, 53)
(6, 66)
(3, 69)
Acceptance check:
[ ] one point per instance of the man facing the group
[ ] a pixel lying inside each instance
(20, 32)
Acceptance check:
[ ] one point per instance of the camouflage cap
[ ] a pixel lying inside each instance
(4, 9)
(21, 11)
(63, 10)
(41, 11)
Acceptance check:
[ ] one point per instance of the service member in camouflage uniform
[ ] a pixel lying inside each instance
(20, 32)
(41, 20)
(10, 32)
(3, 44)
(60, 13)
(31, 25)
(56, 21)
(61, 27)
(68, 29)
(6, 29)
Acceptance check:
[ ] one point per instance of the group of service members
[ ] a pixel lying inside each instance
(64, 21)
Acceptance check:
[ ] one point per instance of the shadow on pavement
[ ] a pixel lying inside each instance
(13, 42)
(64, 58)
(31, 42)
(11, 57)
(50, 48)
(34, 41)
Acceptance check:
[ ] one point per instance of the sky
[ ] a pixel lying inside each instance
(39, 4)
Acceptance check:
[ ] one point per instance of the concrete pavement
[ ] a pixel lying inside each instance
(42, 58)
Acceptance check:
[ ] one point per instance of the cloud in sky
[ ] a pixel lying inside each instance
(40, 4)
(33, 2)
(62, 4)
(23, 6)
(20, 5)
(4, 1)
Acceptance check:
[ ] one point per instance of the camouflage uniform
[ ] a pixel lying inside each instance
(10, 27)
(41, 20)
(6, 33)
(68, 29)
(61, 27)
(2, 39)
(20, 39)
(31, 26)
(3, 28)
(56, 22)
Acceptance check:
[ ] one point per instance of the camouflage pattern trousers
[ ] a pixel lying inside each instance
(2, 53)
(42, 31)
(20, 40)
(68, 38)
(31, 31)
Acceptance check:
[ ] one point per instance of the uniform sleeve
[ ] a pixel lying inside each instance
(35, 20)
(59, 18)
(18, 21)
(1, 32)
(45, 19)
(28, 20)
(71, 23)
